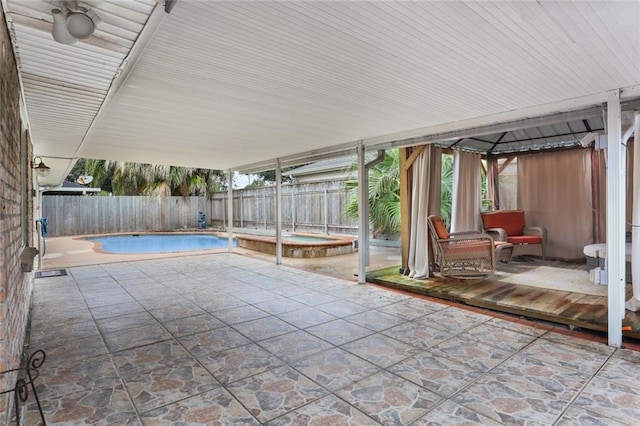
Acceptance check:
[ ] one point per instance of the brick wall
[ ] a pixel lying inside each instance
(15, 286)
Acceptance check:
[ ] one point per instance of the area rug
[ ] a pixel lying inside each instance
(572, 280)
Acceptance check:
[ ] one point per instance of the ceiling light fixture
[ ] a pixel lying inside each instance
(42, 169)
(72, 22)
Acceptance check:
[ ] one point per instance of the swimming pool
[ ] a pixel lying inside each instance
(157, 243)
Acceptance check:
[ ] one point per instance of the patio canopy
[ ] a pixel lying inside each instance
(225, 85)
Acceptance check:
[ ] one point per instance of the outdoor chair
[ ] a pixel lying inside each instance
(468, 254)
(509, 226)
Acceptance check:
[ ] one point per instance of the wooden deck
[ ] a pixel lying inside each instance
(563, 307)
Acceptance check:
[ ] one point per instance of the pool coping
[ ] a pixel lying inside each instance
(333, 245)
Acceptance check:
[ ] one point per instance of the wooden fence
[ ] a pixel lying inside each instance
(305, 207)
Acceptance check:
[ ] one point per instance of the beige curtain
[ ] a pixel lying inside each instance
(492, 182)
(467, 197)
(599, 196)
(629, 199)
(554, 190)
(425, 200)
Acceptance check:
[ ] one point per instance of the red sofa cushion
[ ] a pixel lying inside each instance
(512, 221)
(525, 239)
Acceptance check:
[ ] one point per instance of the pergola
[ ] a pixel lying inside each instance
(261, 85)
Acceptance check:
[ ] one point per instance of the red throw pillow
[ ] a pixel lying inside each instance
(438, 224)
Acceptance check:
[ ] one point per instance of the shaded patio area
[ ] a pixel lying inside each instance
(229, 339)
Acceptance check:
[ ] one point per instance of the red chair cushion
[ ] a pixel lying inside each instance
(525, 239)
(512, 221)
(438, 224)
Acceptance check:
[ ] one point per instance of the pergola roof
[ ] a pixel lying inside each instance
(549, 136)
(223, 85)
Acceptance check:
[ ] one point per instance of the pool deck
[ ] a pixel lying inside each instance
(66, 252)
(231, 339)
(190, 338)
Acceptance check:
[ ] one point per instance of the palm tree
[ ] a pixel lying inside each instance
(446, 188)
(152, 179)
(384, 194)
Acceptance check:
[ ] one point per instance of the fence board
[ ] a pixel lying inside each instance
(304, 207)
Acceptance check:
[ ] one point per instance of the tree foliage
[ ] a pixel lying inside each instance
(77, 170)
(384, 194)
(446, 189)
(268, 177)
(124, 178)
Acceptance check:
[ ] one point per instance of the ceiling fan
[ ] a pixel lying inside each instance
(73, 22)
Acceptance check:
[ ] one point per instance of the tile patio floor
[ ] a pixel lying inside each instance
(230, 340)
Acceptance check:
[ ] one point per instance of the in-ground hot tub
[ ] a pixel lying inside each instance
(300, 245)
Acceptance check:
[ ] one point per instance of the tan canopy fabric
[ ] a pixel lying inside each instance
(425, 201)
(554, 190)
(467, 196)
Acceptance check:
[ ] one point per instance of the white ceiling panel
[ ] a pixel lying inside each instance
(224, 84)
(65, 85)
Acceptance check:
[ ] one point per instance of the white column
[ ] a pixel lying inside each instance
(230, 210)
(38, 209)
(363, 215)
(615, 220)
(278, 213)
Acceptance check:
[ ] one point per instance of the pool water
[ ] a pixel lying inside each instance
(128, 244)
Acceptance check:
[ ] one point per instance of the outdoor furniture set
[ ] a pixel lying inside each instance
(472, 254)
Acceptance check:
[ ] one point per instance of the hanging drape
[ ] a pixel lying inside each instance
(425, 200)
(630, 189)
(493, 195)
(554, 190)
(467, 197)
(599, 196)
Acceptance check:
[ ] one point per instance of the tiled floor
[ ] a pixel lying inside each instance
(229, 340)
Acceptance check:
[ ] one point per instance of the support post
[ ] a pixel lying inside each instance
(363, 215)
(230, 211)
(241, 211)
(224, 212)
(405, 207)
(278, 213)
(615, 220)
(363, 209)
(39, 231)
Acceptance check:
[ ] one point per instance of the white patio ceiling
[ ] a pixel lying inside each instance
(225, 84)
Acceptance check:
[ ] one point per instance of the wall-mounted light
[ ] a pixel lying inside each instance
(72, 22)
(42, 169)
